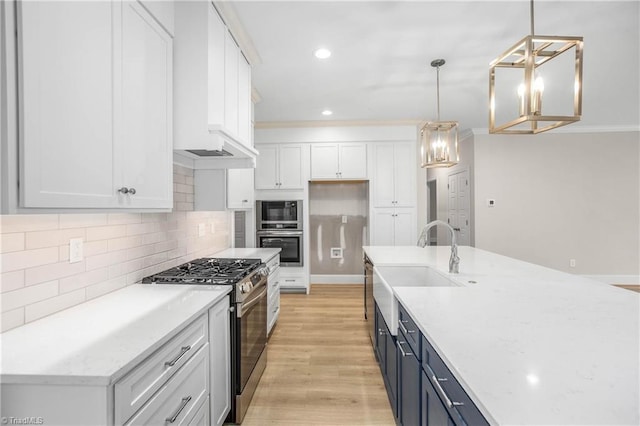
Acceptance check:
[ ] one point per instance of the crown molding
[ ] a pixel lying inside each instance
(333, 123)
(228, 13)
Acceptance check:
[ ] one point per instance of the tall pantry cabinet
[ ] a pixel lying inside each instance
(95, 105)
(394, 216)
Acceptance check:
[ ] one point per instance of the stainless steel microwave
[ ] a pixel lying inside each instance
(278, 215)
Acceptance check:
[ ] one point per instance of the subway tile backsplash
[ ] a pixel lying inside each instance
(36, 278)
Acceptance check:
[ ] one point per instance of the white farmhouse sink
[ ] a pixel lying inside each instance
(387, 277)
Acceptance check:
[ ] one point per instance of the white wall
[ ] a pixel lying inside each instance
(561, 197)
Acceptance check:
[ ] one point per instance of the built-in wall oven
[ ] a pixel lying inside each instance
(279, 225)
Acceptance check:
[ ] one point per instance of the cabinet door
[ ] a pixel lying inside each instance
(404, 171)
(325, 161)
(383, 227)
(220, 384)
(266, 176)
(353, 161)
(231, 52)
(383, 175)
(409, 386)
(404, 227)
(244, 100)
(391, 360)
(381, 341)
(433, 411)
(290, 167)
(145, 152)
(216, 38)
(240, 188)
(67, 134)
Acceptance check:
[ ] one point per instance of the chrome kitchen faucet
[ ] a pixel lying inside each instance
(454, 260)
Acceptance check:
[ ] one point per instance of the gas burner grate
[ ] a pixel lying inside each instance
(206, 271)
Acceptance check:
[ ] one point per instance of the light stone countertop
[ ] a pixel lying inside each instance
(529, 344)
(248, 253)
(99, 341)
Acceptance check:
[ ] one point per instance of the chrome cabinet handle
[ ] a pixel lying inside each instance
(173, 362)
(125, 190)
(402, 352)
(404, 329)
(183, 404)
(245, 201)
(436, 383)
(456, 229)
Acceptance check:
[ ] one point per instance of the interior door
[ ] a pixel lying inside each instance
(458, 210)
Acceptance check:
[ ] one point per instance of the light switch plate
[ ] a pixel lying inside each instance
(344, 218)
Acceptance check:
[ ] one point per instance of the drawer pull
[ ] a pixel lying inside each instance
(402, 352)
(436, 383)
(404, 329)
(184, 350)
(183, 404)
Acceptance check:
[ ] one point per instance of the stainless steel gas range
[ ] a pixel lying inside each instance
(248, 317)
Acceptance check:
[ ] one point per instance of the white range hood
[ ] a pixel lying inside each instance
(216, 150)
(211, 92)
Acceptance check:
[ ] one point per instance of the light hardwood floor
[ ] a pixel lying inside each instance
(321, 369)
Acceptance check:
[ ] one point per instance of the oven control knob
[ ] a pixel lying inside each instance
(246, 287)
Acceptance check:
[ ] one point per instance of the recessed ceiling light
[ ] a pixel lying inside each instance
(322, 53)
(327, 112)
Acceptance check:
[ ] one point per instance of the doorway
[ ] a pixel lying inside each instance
(459, 206)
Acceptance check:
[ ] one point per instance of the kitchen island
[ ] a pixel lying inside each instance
(528, 344)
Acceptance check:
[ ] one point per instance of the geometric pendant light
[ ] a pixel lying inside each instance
(439, 139)
(519, 102)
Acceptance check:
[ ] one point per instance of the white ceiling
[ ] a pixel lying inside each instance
(380, 68)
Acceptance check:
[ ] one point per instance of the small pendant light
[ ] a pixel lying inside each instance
(439, 139)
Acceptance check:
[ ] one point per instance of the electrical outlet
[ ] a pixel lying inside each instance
(572, 263)
(76, 251)
(201, 230)
(336, 252)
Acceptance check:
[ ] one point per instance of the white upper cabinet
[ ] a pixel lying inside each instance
(394, 174)
(146, 150)
(394, 227)
(212, 104)
(240, 188)
(95, 106)
(339, 161)
(279, 166)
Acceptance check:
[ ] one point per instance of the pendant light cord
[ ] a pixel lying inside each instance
(438, 89)
(531, 11)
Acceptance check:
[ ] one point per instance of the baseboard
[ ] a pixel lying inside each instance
(337, 279)
(615, 279)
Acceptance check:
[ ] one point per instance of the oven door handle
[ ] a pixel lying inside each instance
(280, 233)
(248, 305)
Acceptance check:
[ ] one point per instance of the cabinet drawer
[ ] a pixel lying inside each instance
(460, 406)
(135, 389)
(201, 417)
(291, 282)
(408, 327)
(178, 401)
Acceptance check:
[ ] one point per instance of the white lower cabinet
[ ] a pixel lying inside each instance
(178, 400)
(134, 389)
(220, 373)
(202, 415)
(273, 292)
